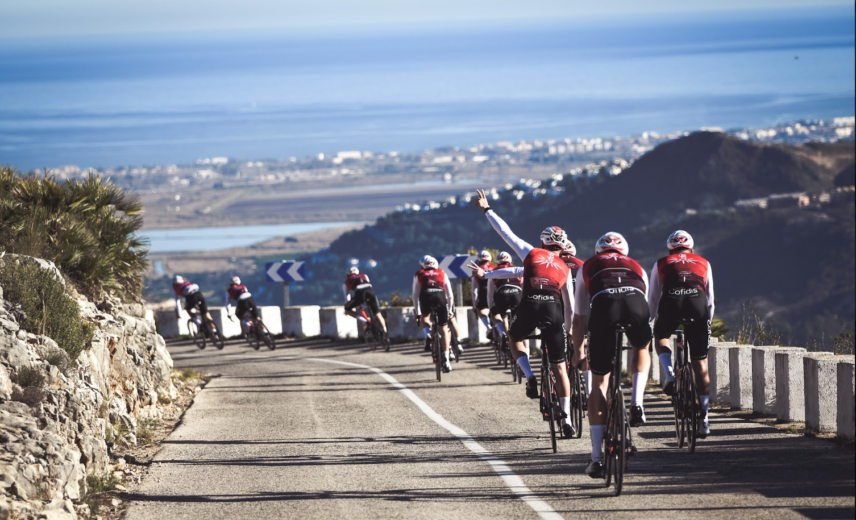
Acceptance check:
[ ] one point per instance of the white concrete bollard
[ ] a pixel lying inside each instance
(740, 377)
(401, 323)
(764, 378)
(150, 316)
(301, 321)
(228, 328)
(655, 374)
(720, 375)
(821, 391)
(170, 326)
(790, 384)
(463, 323)
(477, 330)
(272, 318)
(335, 324)
(846, 425)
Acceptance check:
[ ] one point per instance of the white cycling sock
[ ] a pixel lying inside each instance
(565, 403)
(446, 355)
(596, 432)
(427, 331)
(486, 322)
(639, 381)
(587, 377)
(705, 403)
(523, 363)
(666, 361)
(362, 320)
(500, 327)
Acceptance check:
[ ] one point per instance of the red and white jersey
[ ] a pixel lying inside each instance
(608, 272)
(355, 282)
(574, 264)
(184, 288)
(480, 284)
(681, 274)
(495, 284)
(236, 293)
(430, 280)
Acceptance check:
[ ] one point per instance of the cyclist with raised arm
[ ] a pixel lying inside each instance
(503, 294)
(569, 255)
(432, 291)
(546, 301)
(243, 299)
(193, 297)
(611, 291)
(682, 289)
(481, 305)
(361, 286)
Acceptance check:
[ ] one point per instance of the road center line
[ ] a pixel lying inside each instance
(512, 480)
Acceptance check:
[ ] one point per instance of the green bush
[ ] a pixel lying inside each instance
(87, 227)
(47, 309)
(28, 377)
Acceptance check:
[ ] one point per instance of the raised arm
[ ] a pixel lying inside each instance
(520, 247)
(568, 304)
(710, 297)
(416, 289)
(447, 287)
(508, 272)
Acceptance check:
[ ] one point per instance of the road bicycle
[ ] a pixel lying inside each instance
(551, 410)
(685, 400)
(255, 332)
(579, 397)
(201, 329)
(372, 334)
(617, 438)
(436, 346)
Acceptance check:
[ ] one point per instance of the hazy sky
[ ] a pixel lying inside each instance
(39, 18)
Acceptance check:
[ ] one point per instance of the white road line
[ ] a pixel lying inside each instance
(512, 480)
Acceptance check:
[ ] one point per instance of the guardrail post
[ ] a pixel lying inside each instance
(790, 385)
(821, 392)
(846, 425)
(764, 378)
(335, 324)
(301, 320)
(720, 375)
(740, 377)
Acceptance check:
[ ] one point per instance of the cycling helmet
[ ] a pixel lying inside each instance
(503, 258)
(612, 241)
(680, 239)
(485, 256)
(353, 270)
(236, 280)
(177, 279)
(569, 247)
(428, 262)
(553, 236)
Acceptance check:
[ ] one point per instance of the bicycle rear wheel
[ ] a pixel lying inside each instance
(549, 405)
(438, 356)
(216, 337)
(620, 445)
(577, 390)
(608, 443)
(195, 334)
(694, 410)
(266, 337)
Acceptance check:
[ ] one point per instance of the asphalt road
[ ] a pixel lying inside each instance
(302, 432)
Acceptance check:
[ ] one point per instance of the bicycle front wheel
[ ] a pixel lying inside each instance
(195, 334)
(216, 337)
(577, 390)
(438, 358)
(694, 410)
(266, 336)
(550, 405)
(621, 428)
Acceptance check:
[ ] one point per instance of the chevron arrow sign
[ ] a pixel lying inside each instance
(456, 266)
(285, 271)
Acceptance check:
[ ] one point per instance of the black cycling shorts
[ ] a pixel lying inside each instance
(674, 309)
(534, 311)
(192, 300)
(506, 299)
(247, 305)
(608, 311)
(481, 296)
(366, 296)
(435, 300)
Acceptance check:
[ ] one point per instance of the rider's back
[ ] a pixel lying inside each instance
(612, 271)
(544, 273)
(683, 271)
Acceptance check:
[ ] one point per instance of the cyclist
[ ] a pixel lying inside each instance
(504, 294)
(239, 293)
(611, 290)
(481, 304)
(546, 300)
(363, 293)
(569, 255)
(682, 289)
(193, 297)
(432, 291)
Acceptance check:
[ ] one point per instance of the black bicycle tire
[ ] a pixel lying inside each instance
(266, 335)
(577, 389)
(608, 434)
(438, 358)
(621, 448)
(694, 409)
(547, 391)
(216, 337)
(196, 336)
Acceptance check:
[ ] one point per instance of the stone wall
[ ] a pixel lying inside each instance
(49, 447)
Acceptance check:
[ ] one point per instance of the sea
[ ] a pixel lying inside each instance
(174, 98)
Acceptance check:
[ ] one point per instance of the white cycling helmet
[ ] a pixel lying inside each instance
(177, 279)
(353, 270)
(680, 239)
(428, 262)
(485, 256)
(553, 236)
(503, 258)
(612, 241)
(569, 247)
(236, 280)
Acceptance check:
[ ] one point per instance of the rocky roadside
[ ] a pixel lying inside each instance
(57, 416)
